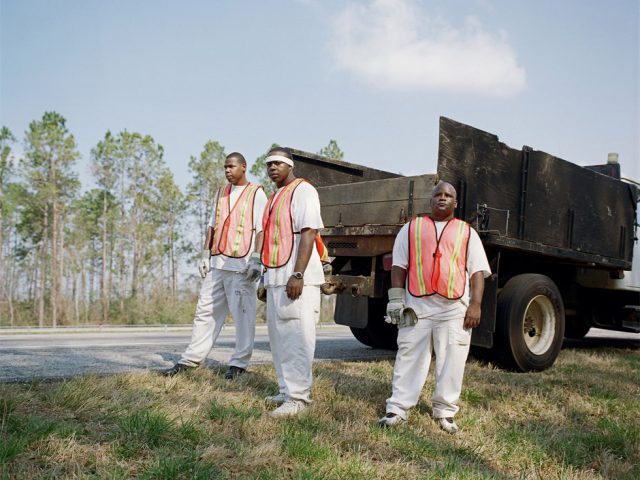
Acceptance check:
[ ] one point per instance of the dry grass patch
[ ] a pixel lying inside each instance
(575, 421)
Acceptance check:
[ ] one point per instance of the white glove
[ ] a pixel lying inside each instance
(397, 313)
(395, 306)
(204, 264)
(253, 270)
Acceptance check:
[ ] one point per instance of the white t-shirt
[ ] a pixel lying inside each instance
(436, 306)
(222, 262)
(305, 213)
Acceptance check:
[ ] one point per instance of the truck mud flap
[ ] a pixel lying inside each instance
(482, 336)
(351, 311)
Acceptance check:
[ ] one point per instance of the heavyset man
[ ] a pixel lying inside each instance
(230, 268)
(437, 281)
(292, 280)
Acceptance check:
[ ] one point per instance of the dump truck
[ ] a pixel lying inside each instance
(560, 239)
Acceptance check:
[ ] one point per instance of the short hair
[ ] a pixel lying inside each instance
(284, 151)
(442, 183)
(238, 156)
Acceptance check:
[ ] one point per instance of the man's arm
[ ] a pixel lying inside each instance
(398, 277)
(476, 286)
(307, 241)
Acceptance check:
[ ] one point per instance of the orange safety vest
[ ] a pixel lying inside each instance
(438, 266)
(277, 227)
(233, 227)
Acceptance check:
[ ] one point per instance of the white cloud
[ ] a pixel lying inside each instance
(394, 45)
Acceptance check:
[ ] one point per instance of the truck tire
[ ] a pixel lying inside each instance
(530, 323)
(377, 333)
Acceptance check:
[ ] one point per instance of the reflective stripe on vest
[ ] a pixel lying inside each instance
(233, 227)
(438, 266)
(277, 226)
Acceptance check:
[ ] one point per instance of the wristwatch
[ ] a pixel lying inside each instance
(297, 275)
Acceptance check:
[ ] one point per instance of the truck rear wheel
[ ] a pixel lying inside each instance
(530, 324)
(377, 333)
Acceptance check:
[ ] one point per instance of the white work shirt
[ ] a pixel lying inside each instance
(305, 213)
(436, 306)
(222, 262)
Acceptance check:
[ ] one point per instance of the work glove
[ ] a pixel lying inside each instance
(397, 313)
(253, 270)
(204, 264)
(395, 305)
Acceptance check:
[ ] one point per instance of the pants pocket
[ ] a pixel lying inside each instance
(288, 309)
(459, 336)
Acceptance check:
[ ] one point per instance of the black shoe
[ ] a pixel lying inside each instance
(177, 368)
(233, 371)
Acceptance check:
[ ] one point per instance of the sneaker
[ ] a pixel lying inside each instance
(177, 368)
(233, 372)
(275, 399)
(448, 425)
(289, 409)
(391, 420)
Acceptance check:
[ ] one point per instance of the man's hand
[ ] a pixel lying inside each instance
(395, 307)
(472, 317)
(203, 265)
(294, 287)
(253, 270)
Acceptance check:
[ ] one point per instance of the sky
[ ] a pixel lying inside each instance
(561, 76)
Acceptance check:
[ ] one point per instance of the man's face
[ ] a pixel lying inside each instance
(443, 202)
(234, 170)
(278, 171)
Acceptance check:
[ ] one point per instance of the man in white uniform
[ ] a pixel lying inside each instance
(292, 280)
(446, 301)
(230, 271)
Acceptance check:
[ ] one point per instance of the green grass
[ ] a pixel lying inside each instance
(578, 420)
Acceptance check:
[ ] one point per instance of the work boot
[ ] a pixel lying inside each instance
(177, 368)
(233, 372)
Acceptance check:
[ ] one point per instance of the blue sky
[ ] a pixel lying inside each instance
(560, 76)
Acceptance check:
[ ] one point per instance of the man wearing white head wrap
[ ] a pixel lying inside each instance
(292, 281)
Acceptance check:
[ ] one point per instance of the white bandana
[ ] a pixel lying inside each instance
(279, 158)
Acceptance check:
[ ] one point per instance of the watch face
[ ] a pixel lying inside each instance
(298, 275)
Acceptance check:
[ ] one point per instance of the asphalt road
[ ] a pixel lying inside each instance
(55, 355)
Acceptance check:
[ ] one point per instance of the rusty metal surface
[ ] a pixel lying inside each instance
(348, 243)
(355, 286)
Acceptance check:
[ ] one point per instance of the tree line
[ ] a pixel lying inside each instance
(118, 252)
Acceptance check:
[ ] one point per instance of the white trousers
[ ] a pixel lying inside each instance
(450, 342)
(292, 335)
(223, 292)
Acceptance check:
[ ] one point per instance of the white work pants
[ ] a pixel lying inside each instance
(450, 343)
(292, 335)
(223, 292)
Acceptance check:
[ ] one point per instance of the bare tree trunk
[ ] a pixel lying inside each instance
(76, 310)
(62, 298)
(43, 267)
(83, 291)
(55, 285)
(103, 274)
